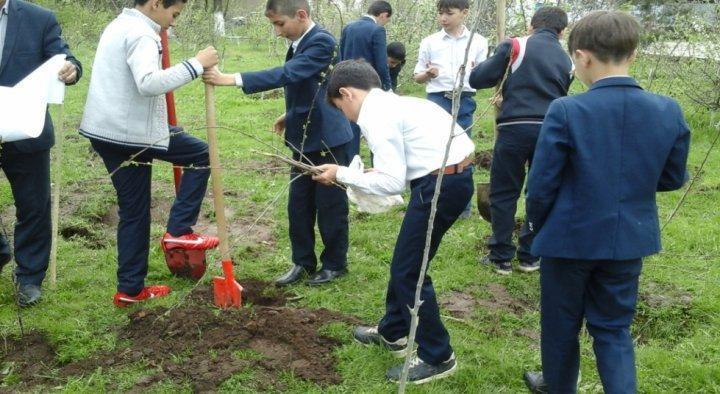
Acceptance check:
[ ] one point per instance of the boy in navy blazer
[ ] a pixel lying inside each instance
(315, 132)
(601, 156)
(29, 36)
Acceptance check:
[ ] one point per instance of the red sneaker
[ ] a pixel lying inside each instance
(122, 300)
(190, 241)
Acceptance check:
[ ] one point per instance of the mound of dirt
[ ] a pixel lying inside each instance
(197, 344)
(483, 159)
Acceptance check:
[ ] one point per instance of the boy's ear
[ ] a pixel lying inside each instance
(465, 12)
(301, 14)
(345, 93)
(561, 34)
(582, 57)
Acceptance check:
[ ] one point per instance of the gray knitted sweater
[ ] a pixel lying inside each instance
(125, 102)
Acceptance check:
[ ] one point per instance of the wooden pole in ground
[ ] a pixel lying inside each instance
(55, 210)
(500, 31)
(216, 173)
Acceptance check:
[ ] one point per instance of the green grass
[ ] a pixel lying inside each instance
(678, 350)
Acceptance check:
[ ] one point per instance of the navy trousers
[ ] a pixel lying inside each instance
(465, 112)
(29, 177)
(513, 151)
(604, 293)
(133, 186)
(354, 145)
(311, 202)
(432, 337)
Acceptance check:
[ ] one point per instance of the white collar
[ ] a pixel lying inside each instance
(297, 42)
(135, 13)
(465, 33)
(371, 17)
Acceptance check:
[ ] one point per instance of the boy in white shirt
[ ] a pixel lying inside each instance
(408, 137)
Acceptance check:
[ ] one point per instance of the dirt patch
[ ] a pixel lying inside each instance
(483, 159)
(23, 357)
(459, 304)
(500, 301)
(202, 346)
(665, 315)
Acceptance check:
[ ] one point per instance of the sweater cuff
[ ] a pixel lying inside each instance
(238, 80)
(194, 67)
(345, 175)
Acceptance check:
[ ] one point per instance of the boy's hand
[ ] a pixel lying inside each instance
(208, 57)
(68, 73)
(213, 76)
(432, 72)
(279, 125)
(328, 175)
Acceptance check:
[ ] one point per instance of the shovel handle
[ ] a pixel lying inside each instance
(215, 172)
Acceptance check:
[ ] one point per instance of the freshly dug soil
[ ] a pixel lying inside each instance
(197, 344)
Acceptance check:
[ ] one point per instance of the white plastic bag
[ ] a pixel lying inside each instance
(370, 203)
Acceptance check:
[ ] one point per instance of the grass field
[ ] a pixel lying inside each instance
(493, 321)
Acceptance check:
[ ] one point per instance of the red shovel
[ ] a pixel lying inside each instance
(228, 293)
(170, 99)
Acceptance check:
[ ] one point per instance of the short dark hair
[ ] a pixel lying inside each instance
(379, 7)
(396, 50)
(553, 18)
(357, 74)
(611, 36)
(444, 5)
(286, 7)
(165, 3)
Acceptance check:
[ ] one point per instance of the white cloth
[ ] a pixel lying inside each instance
(238, 76)
(447, 53)
(370, 203)
(125, 103)
(407, 136)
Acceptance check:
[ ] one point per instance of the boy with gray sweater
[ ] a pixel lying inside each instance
(125, 119)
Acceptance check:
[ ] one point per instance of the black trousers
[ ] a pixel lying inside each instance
(29, 177)
(512, 156)
(133, 186)
(310, 202)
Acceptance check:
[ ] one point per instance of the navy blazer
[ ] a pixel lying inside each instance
(600, 158)
(365, 39)
(32, 37)
(311, 124)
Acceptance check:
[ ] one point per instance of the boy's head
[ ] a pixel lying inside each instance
(162, 12)
(381, 10)
(290, 18)
(348, 84)
(603, 43)
(452, 13)
(553, 18)
(396, 54)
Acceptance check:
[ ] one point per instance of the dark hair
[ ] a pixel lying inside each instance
(357, 74)
(550, 18)
(444, 5)
(396, 50)
(286, 7)
(165, 3)
(609, 35)
(379, 7)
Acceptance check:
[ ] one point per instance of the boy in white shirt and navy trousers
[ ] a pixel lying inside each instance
(408, 137)
(440, 57)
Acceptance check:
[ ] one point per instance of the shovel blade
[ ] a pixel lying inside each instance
(227, 294)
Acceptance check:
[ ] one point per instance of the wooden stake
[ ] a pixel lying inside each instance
(216, 172)
(55, 212)
(500, 31)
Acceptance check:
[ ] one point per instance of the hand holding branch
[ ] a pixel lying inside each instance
(328, 176)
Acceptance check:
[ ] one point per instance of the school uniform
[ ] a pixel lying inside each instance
(125, 114)
(365, 39)
(600, 159)
(395, 74)
(447, 53)
(408, 136)
(321, 133)
(29, 36)
(540, 74)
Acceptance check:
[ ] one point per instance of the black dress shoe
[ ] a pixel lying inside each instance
(28, 295)
(296, 273)
(535, 382)
(325, 276)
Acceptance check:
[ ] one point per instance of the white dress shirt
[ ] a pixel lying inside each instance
(238, 77)
(407, 136)
(447, 53)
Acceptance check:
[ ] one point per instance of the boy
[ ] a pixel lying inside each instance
(600, 158)
(439, 60)
(365, 38)
(408, 137)
(540, 72)
(396, 61)
(316, 133)
(29, 36)
(125, 119)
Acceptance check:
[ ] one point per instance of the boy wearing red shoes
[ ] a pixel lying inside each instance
(125, 120)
